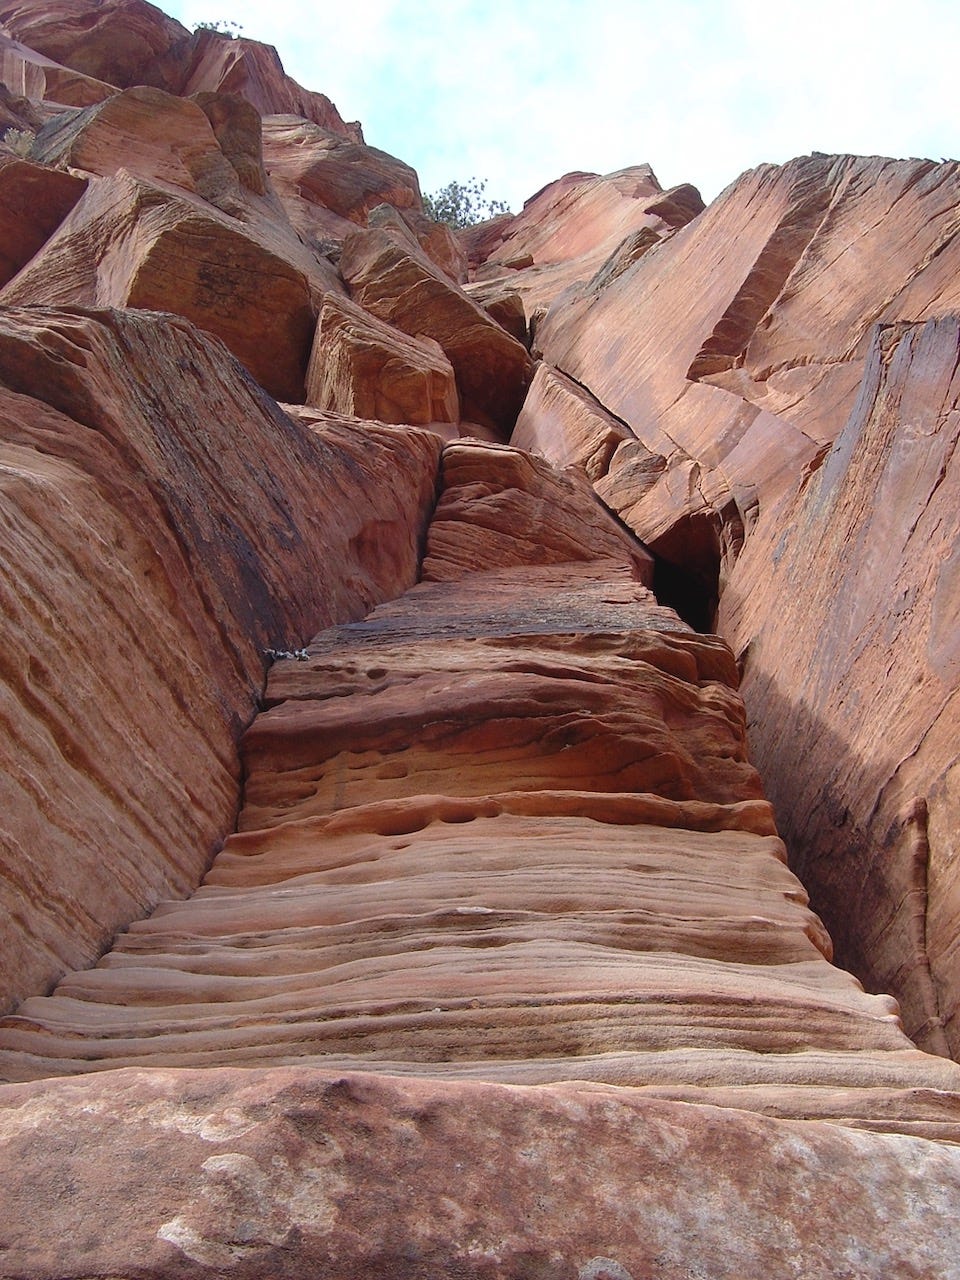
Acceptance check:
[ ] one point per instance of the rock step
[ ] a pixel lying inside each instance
(529, 852)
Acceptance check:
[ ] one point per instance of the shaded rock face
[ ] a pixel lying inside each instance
(402, 287)
(164, 524)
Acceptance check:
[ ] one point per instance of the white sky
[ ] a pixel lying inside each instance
(522, 91)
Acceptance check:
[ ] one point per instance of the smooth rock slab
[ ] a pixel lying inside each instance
(289, 1173)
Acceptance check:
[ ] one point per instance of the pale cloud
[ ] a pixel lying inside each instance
(521, 91)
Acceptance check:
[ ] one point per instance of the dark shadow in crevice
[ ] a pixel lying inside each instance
(686, 574)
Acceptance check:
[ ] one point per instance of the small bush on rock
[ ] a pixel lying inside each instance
(463, 204)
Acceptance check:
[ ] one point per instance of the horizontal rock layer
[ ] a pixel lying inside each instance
(503, 829)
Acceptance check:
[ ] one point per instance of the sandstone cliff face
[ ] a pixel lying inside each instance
(484, 874)
(164, 524)
(702, 443)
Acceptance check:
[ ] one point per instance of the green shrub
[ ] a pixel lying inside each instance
(463, 204)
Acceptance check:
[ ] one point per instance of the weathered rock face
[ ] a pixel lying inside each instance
(209, 62)
(35, 77)
(499, 507)
(405, 289)
(770, 299)
(293, 1172)
(363, 367)
(859, 602)
(112, 41)
(148, 133)
(165, 522)
(323, 169)
(502, 829)
(34, 200)
(132, 243)
(565, 232)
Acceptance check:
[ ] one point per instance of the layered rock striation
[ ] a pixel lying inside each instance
(468, 943)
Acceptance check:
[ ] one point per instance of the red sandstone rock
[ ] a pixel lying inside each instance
(132, 243)
(295, 1172)
(34, 200)
(315, 165)
(560, 421)
(406, 290)
(113, 40)
(567, 231)
(166, 524)
(209, 62)
(150, 134)
(500, 507)
(847, 611)
(30, 74)
(363, 367)
(239, 131)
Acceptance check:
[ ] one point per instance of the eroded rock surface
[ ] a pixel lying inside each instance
(290, 1172)
(164, 524)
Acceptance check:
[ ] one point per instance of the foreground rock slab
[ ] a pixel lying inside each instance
(290, 1172)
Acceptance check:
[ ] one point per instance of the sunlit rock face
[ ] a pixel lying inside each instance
(388, 887)
(753, 380)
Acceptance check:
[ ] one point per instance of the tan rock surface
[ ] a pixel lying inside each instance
(238, 129)
(363, 367)
(322, 168)
(134, 243)
(499, 507)
(567, 231)
(34, 200)
(849, 612)
(165, 523)
(741, 397)
(289, 1173)
(405, 289)
(560, 421)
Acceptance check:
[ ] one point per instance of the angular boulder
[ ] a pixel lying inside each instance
(148, 133)
(406, 290)
(114, 41)
(34, 200)
(130, 243)
(500, 507)
(363, 367)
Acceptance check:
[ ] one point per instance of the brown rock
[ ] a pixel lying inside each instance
(150, 134)
(406, 290)
(113, 40)
(568, 231)
(439, 243)
(313, 164)
(131, 243)
(294, 1172)
(166, 524)
(564, 424)
(35, 77)
(738, 419)
(500, 507)
(846, 608)
(363, 367)
(210, 62)
(239, 131)
(34, 200)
